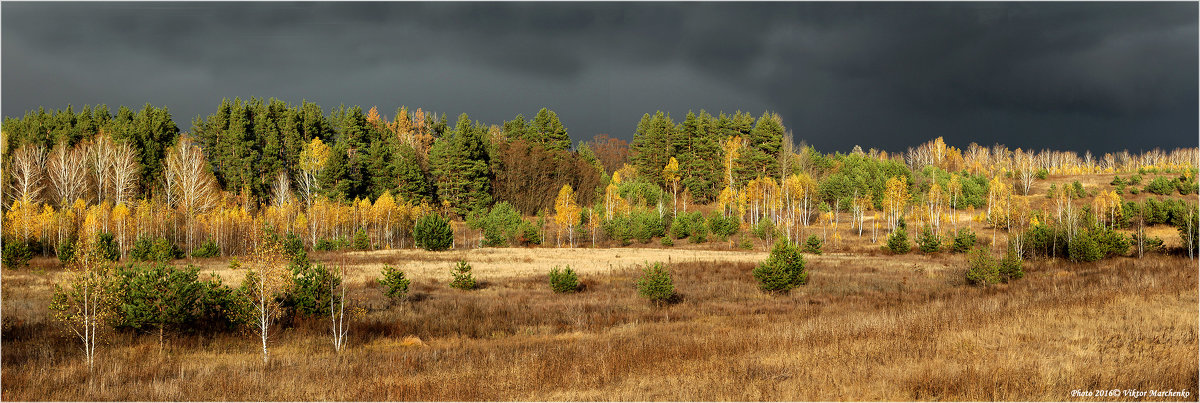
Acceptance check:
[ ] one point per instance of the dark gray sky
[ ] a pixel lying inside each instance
(1098, 76)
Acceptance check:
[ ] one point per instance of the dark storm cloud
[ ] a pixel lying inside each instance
(1100, 76)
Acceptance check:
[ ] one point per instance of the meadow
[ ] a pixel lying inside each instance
(867, 326)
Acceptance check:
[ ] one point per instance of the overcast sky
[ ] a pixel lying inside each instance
(1098, 76)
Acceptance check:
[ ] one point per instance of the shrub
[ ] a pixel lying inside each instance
(1162, 186)
(722, 226)
(16, 254)
(156, 296)
(686, 224)
(106, 247)
(646, 224)
(1010, 266)
(618, 228)
(432, 232)
(66, 250)
(981, 267)
(502, 225)
(1042, 173)
(928, 241)
(1135, 180)
(361, 242)
(393, 282)
(1077, 190)
(964, 240)
(207, 249)
(783, 269)
(463, 279)
(765, 230)
(1186, 186)
(293, 246)
(1117, 181)
(1111, 243)
(312, 288)
(1084, 248)
(746, 243)
(813, 245)
(700, 232)
(897, 242)
(666, 241)
(656, 284)
(147, 249)
(1133, 191)
(564, 280)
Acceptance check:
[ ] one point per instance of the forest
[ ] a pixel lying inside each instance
(133, 178)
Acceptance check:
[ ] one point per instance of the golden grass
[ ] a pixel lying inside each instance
(864, 328)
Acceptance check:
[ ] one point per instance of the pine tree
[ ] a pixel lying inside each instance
(651, 147)
(548, 131)
(460, 164)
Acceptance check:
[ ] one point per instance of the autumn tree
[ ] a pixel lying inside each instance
(68, 177)
(125, 168)
(26, 167)
(192, 183)
(566, 211)
(895, 200)
(266, 281)
(670, 175)
(84, 305)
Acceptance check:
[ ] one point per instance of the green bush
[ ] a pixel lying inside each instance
(106, 247)
(1042, 173)
(964, 240)
(207, 249)
(1135, 180)
(1010, 266)
(647, 224)
(1076, 190)
(1117, 181)
(432, 232)
(564, 280)
(666, 241)
(982, 269)
(928, 241)
(765, 230)
(463, 279)
(897, 242)
(656, 284)
(721, 226)
(619, 228)
(312, 288)
(393, 282)
(157, 296)
(687, 224)
(813, 244)
(66, 250)
(502, 225)
(147, 249)
(700, 232)
(1084, 248)
(1162, 186)
(783, 269)
(746, 243)
(1111, 243)
(361, 241)
(16, 254)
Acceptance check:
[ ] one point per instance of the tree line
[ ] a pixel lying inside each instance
(329, 176)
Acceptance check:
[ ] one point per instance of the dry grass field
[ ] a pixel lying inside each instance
(868, 326)
(864, 328)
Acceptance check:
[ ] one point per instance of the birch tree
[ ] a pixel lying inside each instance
(266, 281)
(83, 306)
(192, 183)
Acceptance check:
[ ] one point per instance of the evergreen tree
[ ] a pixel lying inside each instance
(516, 128)
(700, 164)
(651, 147)
(761, 155)
(548, 131)
(460, 165)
